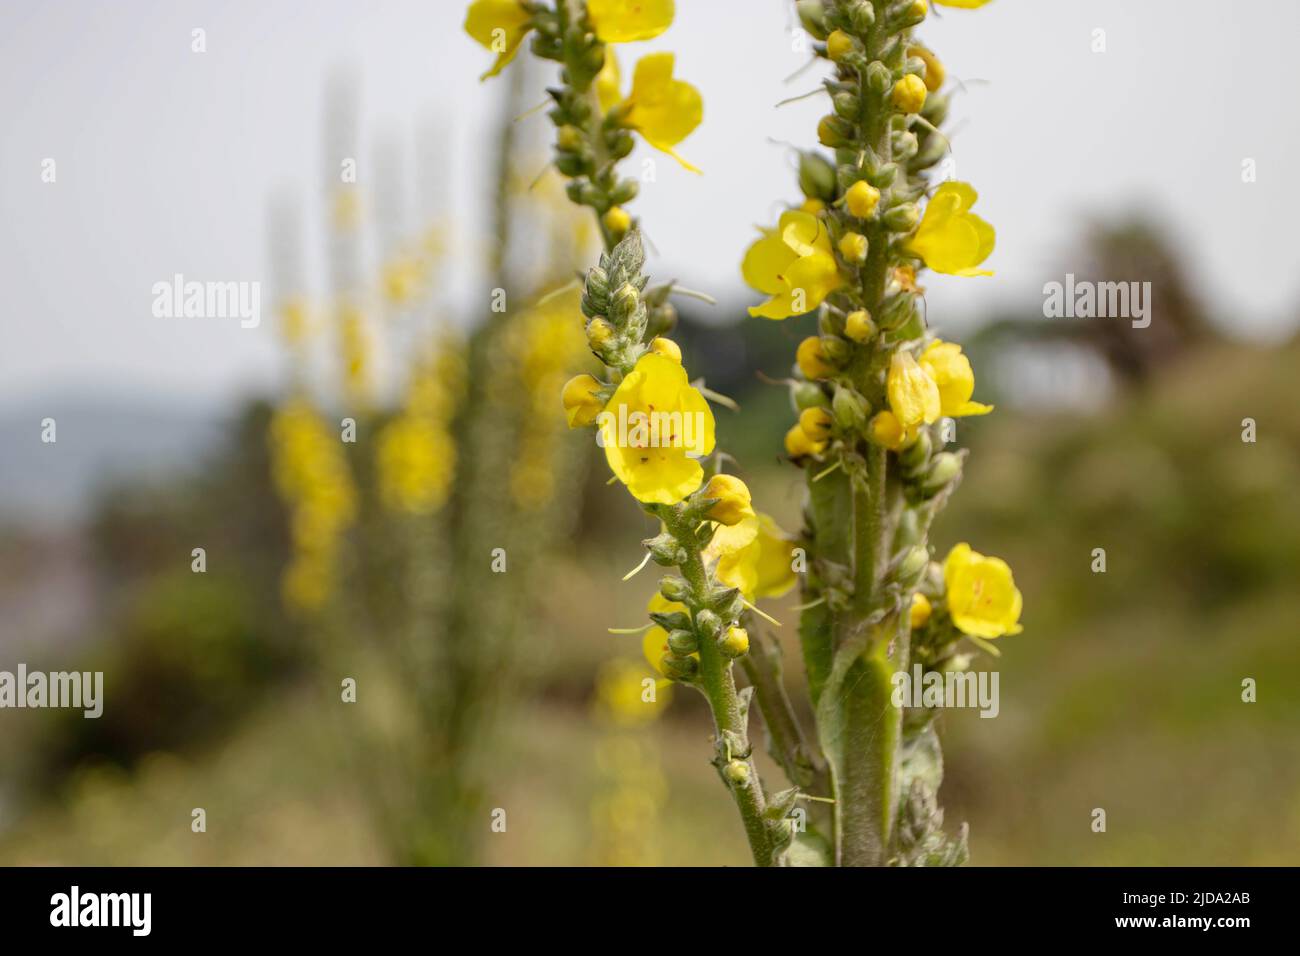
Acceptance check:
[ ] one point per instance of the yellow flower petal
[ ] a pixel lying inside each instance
(763, 567)
(609, 82)
(952, 373)
(664, 111)
(951, 239)
(913, 394)
(794, 264)
(499, 25)
(962, 4)
(626, 21)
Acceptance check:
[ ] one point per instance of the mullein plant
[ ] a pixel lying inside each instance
(876, 396)
(725, 553)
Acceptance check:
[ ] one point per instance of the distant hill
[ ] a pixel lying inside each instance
(99, 438)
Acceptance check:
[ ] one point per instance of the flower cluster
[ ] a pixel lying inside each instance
(416, 454)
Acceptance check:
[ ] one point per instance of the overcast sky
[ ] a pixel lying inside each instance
(166, 158)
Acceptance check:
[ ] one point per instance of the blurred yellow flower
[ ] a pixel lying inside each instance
(952, 374)
(981, 593)
(794, 264)
(921, 610)
(499, 25)
(626, 21)
(951, 239)
(623, 695)
(761, 566)
(663, 110)
(416, 461)
(913, 394)
(653, 428)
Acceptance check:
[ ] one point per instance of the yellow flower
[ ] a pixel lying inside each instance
(887, 431)
(735, 643)
(581, 400)
(617, 221)
(760, 567)
(798, 443)
(663, 110)
(962, 4)
(952, 374)
(816, 423)
(794, 264)
(499, 25)
(853, 247)
(416, 462)
(652, 426)
(909, 94)
(621, 693)
(921, 610)
(626, 21)
(862, 199)
(858, 326)
(913, 394)
(951, 239)
(733, 505)
(839, 45)
(981, 593)
(811, 359)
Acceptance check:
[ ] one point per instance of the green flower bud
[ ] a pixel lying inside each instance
(835, 348)
(679, 668)
(912, 566)
(916, 455)
(569, 139)
(903, 217)
(944, 468)
(833, 131)
(675, 590)
(846, 105)
(683, 643)
(897, 310)
(816, 177)
(708, 624)
(671, 620)
(862, 16)
(880, 80)
(624, 192)
(807, 395)
(851, 409)
(812, 14)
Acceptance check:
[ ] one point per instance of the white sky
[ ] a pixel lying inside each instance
(166, 159)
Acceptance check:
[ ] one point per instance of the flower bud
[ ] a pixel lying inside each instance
(912, 566)
(671, 620)
(913, 13)
(728, 602)
(798, 444)
(733, 503)
(834, 132)
(863, 16)
(735, 643)
(817, 423)
(600, 334)
(944, 468)
(674, 589)
(878, 77)
(835, 349)
(853, 247)
(683, 643)
(582, 401)
(903, 217)
(569, 139)
(916, 455)
(861, 199)
(736, 772)
(708, 624)
(617, 221)
(679, 668)
(859, 327)
(812, 14)
(625, 301)
(665, 550)
(811, 359)
(667, 348)
(624, 191)
(816, 177)
(920, 611)
(839, 45)
(908, 95)
(807, 395)
(886, 430)
(851, 409)
(846, 105)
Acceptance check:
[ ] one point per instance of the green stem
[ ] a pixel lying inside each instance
(716, 681)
